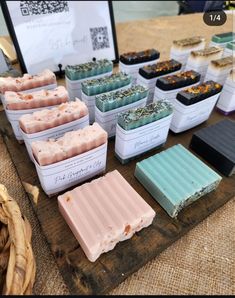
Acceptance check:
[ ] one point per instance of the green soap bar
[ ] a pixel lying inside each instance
(89, 69)
(176, 178)
(116, 99)
(141, 116)
(106, 83)
(231, 45)
(223, 37)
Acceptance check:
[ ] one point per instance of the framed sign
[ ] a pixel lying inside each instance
(53, 34)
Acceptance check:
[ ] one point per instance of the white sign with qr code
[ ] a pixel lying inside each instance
(61, 32)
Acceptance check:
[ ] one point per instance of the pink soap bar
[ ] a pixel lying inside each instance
(70, 144)
(48, 118)
(37, 99)
(103, 212)
(47, 77)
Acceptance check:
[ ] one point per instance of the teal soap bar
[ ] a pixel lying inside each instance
(89, 69)
(231, 45)
(116, 99)
(106, 83)
(176, 178)
(135, 118)
(223, 37)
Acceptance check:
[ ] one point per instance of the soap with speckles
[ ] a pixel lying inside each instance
(175, 178)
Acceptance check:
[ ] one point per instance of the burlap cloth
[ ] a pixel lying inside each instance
(201, 262)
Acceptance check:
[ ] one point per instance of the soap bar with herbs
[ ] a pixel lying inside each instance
(179, 80)
(139, 57)
(141, 116)
(188, 43)
(205, 55)
(216, 144)
(116, 99)
(198, 93)
(176, 178)
(222, 64)
(106, 83)
(158, 69)
(89, 69)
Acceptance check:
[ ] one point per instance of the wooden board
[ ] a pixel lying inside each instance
(84, 277)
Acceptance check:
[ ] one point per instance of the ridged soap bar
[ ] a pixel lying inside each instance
(36, 99)
(103, 212)
(141, 116)
(216, 144)
(72, 143)
(89, 69)
(116, 99)
(106, 83)
(49, 118)
(176, 178)
(46, 77)
(223, 37)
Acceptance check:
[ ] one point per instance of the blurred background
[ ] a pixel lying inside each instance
(129, 10)
(137, 10)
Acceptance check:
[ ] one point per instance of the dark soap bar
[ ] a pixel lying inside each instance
(179, 80)
(139, 57)
(158, 69)
(216, 144)
(198, 93)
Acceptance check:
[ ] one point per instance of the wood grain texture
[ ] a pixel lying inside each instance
(82, 276)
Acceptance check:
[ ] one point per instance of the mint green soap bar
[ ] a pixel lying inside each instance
(231, 45)
(135, 118)
(223, 37)
(89, 69)
(116, 99)
(106, 83)
(176, 178)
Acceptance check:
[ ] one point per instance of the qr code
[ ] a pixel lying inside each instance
(43, 7)
(99, 38)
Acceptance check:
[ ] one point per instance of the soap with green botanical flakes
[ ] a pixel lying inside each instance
(89, 69)
(141, 116)
(116, 99)
(106, 83)
(176, 178)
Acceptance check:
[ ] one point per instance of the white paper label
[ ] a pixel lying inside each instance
(186, 117)
(142, 139)
(64, 174)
